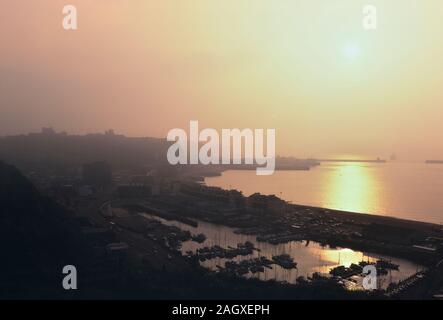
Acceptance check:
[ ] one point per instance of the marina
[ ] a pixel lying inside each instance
(226, 250)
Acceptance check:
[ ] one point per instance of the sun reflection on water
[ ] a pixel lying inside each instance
(343, 257)
(353, 187)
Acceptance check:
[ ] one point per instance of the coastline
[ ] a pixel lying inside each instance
(274, 221)
(362, 232)
(387, 222)
(354, 214)
(393, 198)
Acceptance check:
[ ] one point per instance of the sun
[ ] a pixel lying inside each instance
(351, 50)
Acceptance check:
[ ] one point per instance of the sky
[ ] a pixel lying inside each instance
(306, 68)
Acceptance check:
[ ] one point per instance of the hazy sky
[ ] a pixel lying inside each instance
(304, 67)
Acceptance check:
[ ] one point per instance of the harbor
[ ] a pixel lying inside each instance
(227, 251)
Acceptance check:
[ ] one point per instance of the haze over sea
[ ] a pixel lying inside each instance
(404, 190)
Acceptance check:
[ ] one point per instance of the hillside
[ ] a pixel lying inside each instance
(37, 237)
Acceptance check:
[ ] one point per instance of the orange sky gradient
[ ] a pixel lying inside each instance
(144, 67)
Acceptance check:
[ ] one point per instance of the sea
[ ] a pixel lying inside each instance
(407, 190)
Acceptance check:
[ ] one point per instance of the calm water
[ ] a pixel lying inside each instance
(404, 190)
(310, 256)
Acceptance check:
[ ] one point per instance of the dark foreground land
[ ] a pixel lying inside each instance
(121, 256)
(40, 236)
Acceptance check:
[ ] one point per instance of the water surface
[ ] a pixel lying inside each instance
(310, 256)
(404, 190)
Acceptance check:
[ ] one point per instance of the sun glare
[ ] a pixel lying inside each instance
(351, 50)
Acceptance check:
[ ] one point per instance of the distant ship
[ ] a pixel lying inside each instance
(434, 161)
(378, 160)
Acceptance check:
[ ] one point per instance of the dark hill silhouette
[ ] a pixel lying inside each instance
(37, 236)
(61, 151)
